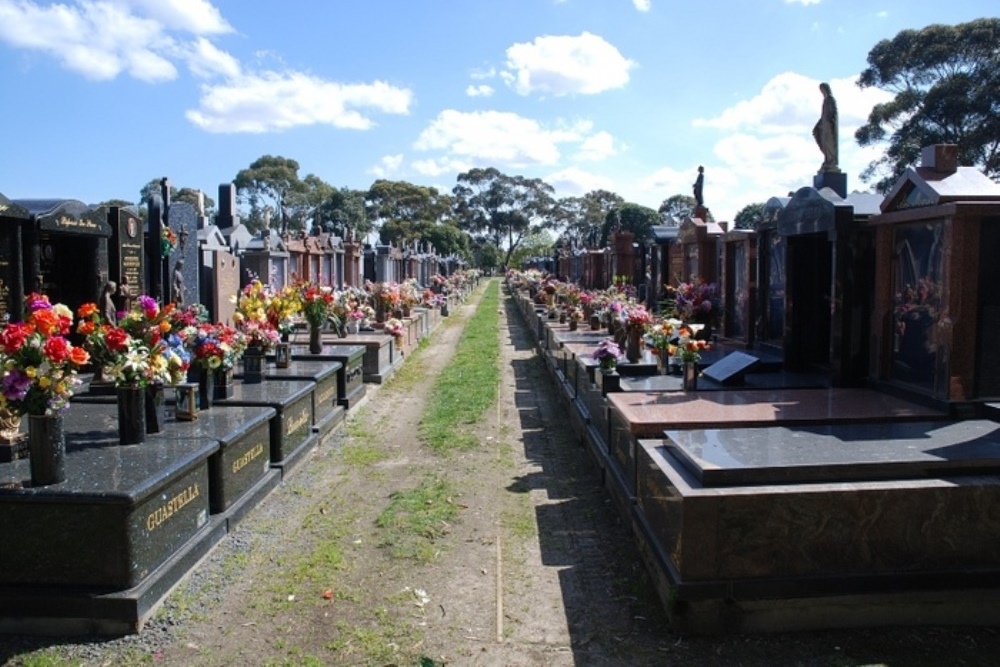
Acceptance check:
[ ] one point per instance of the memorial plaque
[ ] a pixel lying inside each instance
(183, 260)
(730, 369)
(126, 259)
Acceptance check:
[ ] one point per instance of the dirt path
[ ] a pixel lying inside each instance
(535, 570)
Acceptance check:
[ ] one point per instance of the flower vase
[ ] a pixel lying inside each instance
(573, 325)
(352, 326)
(253, 365)
(595, 323)
(690, 378)
(156, 408)
(633, 345)
(131, 415)
(206, 387)
(315, 339)
(224, 387)
(406, 311)
(663, 362)
(46, 449)
(342, 330)
(562, 317)
(379, 313)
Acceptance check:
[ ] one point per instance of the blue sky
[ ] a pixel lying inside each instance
(100, 96)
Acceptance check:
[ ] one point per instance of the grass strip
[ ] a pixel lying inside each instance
(414, 519)
(467, 386)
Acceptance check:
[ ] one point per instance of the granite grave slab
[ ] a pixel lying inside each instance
(327, 410)
(350, 377)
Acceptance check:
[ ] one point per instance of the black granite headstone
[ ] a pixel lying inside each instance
(730, 369)
(184, 260)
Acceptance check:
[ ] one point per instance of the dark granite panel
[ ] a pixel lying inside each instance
(350, 377)
(838, 452)
(291, 428)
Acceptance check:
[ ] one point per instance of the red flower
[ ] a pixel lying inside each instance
(86, 310)
(117, 339)
(12, 337)
(57, 349)
(78, 356)
(46, 322)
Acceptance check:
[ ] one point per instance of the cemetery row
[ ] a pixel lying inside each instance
(138, 430)
(806, 432)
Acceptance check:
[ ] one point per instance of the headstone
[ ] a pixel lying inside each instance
(12, 221)
(126, 258)
(184, 261)
(730, 369)
(220, 281)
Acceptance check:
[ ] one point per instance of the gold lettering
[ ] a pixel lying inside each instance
(156, 518)
(328, 395)
(293, 424)
(248, 456)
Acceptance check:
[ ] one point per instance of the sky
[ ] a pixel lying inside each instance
(630, 96)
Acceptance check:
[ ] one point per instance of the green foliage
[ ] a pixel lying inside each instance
(404, 211)
(343, 213)
(584, 216)
(946, 81)
(749, 217)
(448, 239)
(539, 243)
(267, 184)
(633, 218)
(502, 207)
(468, 385)
(676, 208)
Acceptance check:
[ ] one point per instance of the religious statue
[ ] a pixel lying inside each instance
(109, 312)
(699, 183)
(183, 236)
(177, 284)
(825, 131)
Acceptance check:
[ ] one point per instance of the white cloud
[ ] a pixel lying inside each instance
(566, 65)
(575, 182)
(802, 2)
(195, 16)
(272, 101)
(482, 90)
(387, 166)
(497, 138)
(440, 166)
(597, 147)
(643, 5)
(103, 39)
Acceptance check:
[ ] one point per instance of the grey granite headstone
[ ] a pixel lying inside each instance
(730, 369)
(184, 261)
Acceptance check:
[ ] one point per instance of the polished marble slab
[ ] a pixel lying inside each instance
(837, 452)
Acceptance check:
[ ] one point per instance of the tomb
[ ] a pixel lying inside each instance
(327, 409)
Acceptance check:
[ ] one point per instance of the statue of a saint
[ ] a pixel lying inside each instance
(699, 183)
(109, 312)
(826, 129)
(177, 284)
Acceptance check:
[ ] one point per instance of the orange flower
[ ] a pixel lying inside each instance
(78, 356)
(86, 310)
(85, 327)
(46, 322)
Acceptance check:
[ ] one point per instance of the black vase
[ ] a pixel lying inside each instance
(315, 339)
(206, 388)
(253, 365)
(131, 415)
(156, 408)
(46, 449)
(224, 387)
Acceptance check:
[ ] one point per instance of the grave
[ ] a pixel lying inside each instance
(327, 410)
(378, 365)
(97, 552)
(350, 376)
(836, 525)
(13, 222)
(291, 426)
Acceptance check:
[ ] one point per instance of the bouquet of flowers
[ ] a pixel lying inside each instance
(687, 347)
(251, 317)
(316, 303)
(662, 335)
(696, 301)
(607, 353)
(168, 241)
(395, 327)
(211, 346)
(39, 365)
(637, 317)
(151, 352)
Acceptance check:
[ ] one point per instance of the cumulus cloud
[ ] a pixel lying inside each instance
(482, 90)
(435, 167)
(272, 101)
(491, 136)
(144, 39)
(565, 65)
(643, 5)
(597, 147)
(576, 182)
(802, 2)
(387, 166)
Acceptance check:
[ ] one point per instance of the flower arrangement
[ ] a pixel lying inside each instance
(687, 347)
(576, 314)
(317, 302)
(394, 327)
(39, 365)
(141, 349)
(637, 317)
(914, 302)
(251, 317)
(384, 294)
(607, 353)
(662, 335)
(696, 301)
(211, 346)
(168, 241)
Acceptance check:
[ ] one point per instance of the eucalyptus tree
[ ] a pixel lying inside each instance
(583, 217)
(502, 207)
(266, 185)
(946, 82)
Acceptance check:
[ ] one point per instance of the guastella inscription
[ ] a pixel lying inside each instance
(171, 507)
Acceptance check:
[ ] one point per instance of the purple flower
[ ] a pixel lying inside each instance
(15, 385)
(147, 302)
(39, 304)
